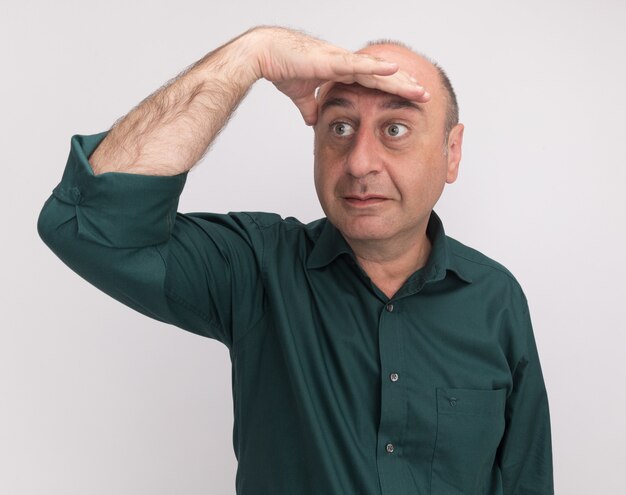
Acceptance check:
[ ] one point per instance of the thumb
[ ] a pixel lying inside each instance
(308, 108)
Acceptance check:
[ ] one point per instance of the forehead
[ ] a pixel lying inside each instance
(350, 96)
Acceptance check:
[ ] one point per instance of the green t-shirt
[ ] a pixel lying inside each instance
(337, 389)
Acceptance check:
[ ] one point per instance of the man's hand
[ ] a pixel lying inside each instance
(297, 64)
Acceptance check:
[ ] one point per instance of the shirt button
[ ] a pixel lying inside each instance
(390, 307)
(390, 448)
(394, 377)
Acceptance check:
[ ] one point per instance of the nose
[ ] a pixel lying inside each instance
(364, 157)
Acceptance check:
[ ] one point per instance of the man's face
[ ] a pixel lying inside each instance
(381, 161)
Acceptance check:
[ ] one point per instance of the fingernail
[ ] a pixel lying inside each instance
(426, 94)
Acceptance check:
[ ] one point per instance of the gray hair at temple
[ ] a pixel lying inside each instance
(452, 111)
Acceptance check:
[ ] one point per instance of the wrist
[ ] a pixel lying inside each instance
(244, 54)
(234, 63)
(260, 45)
(250, 49)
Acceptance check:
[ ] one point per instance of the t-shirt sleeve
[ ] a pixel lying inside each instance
(122, 233)
(525, 453)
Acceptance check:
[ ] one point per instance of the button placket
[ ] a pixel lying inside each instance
(393, 406)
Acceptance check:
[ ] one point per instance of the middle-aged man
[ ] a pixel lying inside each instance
(371, 353)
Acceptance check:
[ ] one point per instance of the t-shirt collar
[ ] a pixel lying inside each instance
(331, 244)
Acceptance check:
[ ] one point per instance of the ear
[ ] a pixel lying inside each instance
(454, 146)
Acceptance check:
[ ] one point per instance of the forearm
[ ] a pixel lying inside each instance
(169, 132)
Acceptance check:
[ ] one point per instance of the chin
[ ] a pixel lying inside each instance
(364, 230)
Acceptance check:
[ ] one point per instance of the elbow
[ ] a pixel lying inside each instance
(54, 216)
(45, 223)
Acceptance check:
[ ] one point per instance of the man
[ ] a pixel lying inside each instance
(371, 353)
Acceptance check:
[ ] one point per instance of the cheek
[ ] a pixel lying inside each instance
(326, 165)
(322, 176)
(420, 181)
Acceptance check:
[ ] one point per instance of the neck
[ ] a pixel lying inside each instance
(390, 263)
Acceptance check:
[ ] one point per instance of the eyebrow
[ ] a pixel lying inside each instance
(393, 103)
(397, 103)
(336, 102)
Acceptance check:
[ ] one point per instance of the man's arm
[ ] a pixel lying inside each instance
(169, 132)
(121, 232)
(525, 453)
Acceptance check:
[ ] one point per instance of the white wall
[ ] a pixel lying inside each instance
(97, 399)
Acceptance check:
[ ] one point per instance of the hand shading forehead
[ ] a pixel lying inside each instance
(417, 66)
(410, 62)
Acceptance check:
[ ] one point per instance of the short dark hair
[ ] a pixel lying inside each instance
(452, 110)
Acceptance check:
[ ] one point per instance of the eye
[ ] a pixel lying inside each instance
(396, 130)
(341, 129)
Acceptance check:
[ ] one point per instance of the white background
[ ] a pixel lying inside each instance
(95, 399)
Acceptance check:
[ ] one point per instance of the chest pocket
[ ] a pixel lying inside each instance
(470, 424)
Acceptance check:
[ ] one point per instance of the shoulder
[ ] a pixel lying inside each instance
(480, 268)
(473, 260)
(269, 232)
(274, 224)
(257, 225)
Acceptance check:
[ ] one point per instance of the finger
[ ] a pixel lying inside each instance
(347, 63)
(400, 84)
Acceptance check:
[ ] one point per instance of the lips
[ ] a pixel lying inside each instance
(364, 201)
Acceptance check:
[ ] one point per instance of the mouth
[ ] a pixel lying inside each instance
(364, 201)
